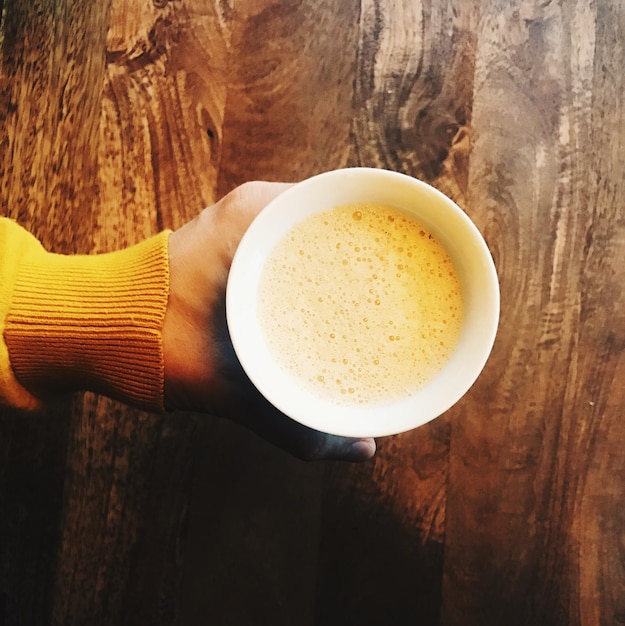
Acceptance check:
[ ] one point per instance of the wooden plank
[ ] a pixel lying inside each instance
(383, 532)
(254, 519)
(534, 476)
(91, 160)
(49, 107)
(128, 474)
(596, 535)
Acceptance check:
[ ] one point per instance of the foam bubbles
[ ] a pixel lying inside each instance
(364, 297)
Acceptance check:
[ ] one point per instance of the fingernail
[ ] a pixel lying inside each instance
(362, 450)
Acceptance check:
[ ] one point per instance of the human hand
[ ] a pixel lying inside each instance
(202, 372)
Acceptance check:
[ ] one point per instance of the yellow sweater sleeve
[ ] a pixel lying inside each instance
(82, 322)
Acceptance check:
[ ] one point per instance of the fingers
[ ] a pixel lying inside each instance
(303, 442)
(331, 447)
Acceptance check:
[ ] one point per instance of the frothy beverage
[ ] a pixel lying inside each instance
(361, 304)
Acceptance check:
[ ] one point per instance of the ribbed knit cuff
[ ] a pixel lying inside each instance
(92, 322)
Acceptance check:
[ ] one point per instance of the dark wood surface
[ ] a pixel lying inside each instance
(119, 118)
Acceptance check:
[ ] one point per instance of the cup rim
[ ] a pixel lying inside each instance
(446, 220)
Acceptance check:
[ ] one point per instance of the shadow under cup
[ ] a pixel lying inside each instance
(445, 221)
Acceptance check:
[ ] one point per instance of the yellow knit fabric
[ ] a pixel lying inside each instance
(14, 244)
(86, 322)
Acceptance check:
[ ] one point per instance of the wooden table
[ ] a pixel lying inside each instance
(119, 118)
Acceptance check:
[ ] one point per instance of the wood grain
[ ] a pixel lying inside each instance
(128, 474)
(412, 103)
(162, 113)
(290, 90)
(52, 67)
(287, 117)
(413, 89)
(120, 118)
(80, 182)
(519, 513)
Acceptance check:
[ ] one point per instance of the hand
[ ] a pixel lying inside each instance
(202, 372)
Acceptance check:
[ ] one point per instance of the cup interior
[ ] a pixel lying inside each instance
(453, 229)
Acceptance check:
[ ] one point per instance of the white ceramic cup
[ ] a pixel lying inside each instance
(447, 223)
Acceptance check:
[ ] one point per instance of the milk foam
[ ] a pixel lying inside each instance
(361, 303)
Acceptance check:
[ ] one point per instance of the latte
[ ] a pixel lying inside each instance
(361, 304)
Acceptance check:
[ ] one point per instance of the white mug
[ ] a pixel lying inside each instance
(447, 223)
